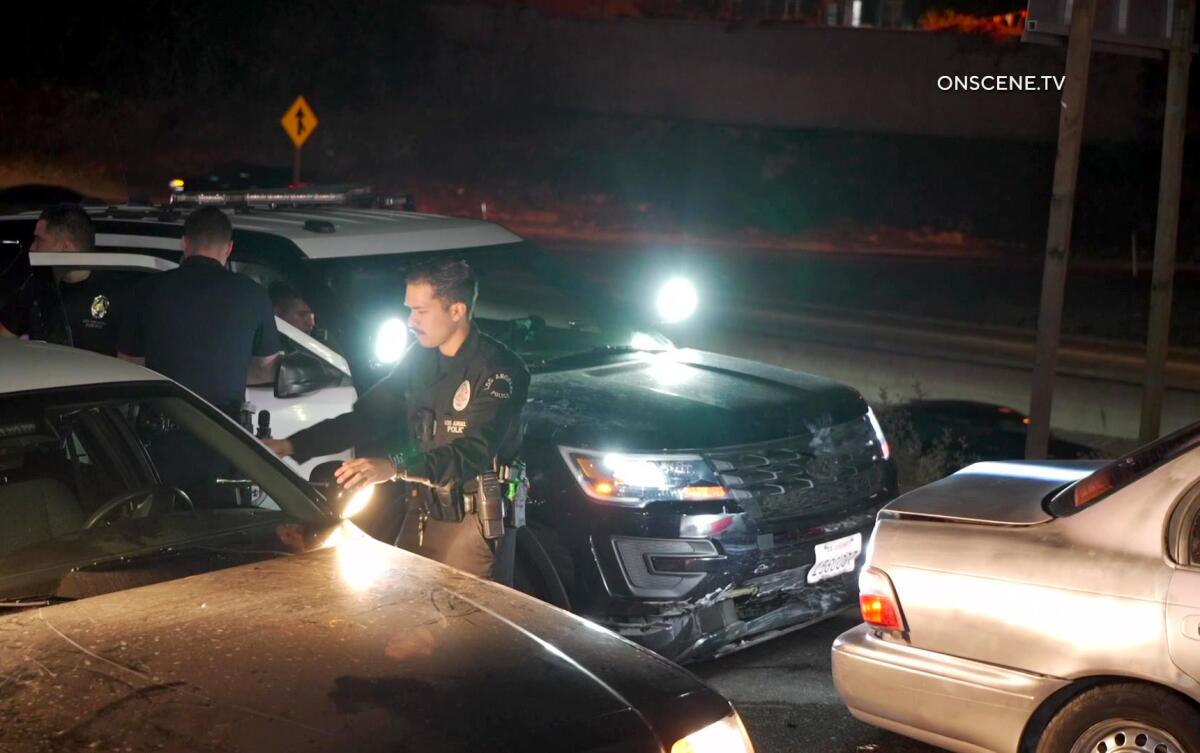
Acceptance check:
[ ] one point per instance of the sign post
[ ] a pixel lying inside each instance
(299, 122)
(1058, 236)
(1159, 29)
(1166, 235)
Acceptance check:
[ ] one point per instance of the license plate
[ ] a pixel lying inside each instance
(835, 557)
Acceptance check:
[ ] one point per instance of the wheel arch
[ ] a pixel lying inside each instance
(529, 550)
(1058, 700)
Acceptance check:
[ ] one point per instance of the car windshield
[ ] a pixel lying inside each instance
(107, 488)
(1123, 471)
(527, 299)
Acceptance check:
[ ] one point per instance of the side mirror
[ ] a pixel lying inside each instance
(343, 504)
(322, 475)
(301, 373)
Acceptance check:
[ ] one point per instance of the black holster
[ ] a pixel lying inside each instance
(483, 497)
(446, 504)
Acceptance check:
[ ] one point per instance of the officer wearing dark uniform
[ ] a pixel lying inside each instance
(209, 329)
(449, 416)
(78, 307)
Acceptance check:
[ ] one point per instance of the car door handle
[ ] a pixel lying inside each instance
(1191, 627)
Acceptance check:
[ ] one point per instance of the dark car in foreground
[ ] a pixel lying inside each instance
(693, 502)
(168, 584)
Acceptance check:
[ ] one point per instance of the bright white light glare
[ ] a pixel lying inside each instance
(726, 736)
(632, 472)
(677, 300)
(647, 341)
(176, 185)
(669, 373)
(361, 564)
(358, 502)
(885, 448)
(1030, 471)
(391, 341)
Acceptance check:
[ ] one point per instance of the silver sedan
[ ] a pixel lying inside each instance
(1040, 607)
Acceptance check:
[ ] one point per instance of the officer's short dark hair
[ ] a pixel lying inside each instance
(452, 281)
(282, 294)
(207, 228)
(70, 222)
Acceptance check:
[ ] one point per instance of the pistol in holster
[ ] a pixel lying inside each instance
(498, 498)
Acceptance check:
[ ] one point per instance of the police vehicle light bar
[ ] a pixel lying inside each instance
(360, 196)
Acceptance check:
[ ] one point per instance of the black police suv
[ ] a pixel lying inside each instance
(690, 501)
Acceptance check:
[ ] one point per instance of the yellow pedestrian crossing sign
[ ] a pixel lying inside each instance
(299, 121)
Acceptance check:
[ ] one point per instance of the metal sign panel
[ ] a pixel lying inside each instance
(299, 121)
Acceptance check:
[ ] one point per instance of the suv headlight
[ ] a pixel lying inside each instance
(633, 479)
(726, 736)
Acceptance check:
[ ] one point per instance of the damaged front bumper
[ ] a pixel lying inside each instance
(693, 599)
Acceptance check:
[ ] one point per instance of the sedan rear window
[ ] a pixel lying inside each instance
(1123, 471)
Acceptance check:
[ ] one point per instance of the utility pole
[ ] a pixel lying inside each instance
(1058, 236)
(1166, 234)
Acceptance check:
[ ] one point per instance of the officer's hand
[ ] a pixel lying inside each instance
(280, 447)
(362, 471)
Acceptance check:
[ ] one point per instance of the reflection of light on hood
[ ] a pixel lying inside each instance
(362, 561)
(668, 372)
(647, 341)
(1032, 472)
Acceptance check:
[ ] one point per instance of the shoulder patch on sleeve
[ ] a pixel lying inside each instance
(498, 385)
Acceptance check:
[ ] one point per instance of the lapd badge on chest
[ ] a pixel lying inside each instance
(462, 396)
(100, 307)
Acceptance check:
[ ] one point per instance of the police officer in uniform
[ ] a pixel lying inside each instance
(78, 307)
(208, 328)
(211, 330)
(449, 417)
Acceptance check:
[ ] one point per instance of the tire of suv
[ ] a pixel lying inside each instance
(1126, 717)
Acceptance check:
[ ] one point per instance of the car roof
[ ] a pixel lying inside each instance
(319, 232)
(26, 366)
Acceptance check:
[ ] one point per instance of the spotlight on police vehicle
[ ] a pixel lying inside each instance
(391, 341)
(677, 300)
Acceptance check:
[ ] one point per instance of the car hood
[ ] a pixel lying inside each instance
(356, 647)
(682, 399)
(996, 493)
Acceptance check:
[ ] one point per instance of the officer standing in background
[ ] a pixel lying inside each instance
(209, 329)
(79, 307)
(449, 414)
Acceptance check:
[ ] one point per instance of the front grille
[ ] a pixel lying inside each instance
(806, 475)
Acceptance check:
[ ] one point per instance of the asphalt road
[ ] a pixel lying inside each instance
(784, 691)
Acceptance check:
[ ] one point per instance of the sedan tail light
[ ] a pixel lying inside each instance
(878, 602)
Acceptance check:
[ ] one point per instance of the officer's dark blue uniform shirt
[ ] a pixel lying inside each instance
(200, 325)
